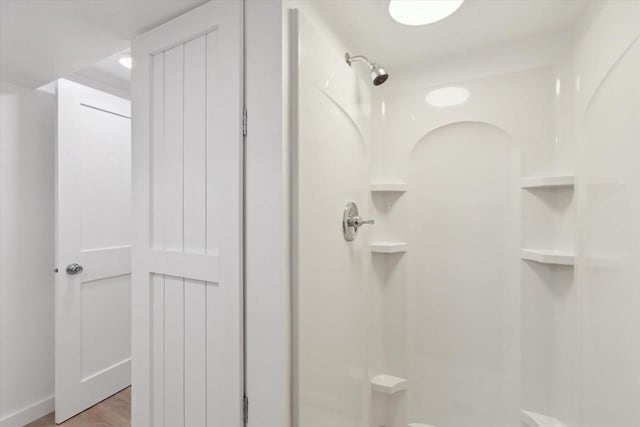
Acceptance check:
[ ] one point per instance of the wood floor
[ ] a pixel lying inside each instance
(112, 412)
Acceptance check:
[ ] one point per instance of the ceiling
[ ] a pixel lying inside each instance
(368, 29)
(42, 40)
(109, 72)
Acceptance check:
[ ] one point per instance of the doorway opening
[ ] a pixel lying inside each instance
(128, 268)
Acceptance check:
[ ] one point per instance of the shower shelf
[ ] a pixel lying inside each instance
(389, 187)
(389, 247)
(388, 384)
(551, 181)
(548, 256)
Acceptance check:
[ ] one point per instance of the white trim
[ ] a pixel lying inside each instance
(29, 413)
(267, 215)
(186, 265)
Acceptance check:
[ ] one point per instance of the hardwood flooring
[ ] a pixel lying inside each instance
(112, 412)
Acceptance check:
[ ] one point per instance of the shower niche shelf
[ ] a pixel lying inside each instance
(550, 181)
(389, 187)
(548, 256)
(389, 247)
(388, 384)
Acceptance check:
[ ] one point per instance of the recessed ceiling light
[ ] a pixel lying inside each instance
(447, 96)
(422, 12)
(126, 61)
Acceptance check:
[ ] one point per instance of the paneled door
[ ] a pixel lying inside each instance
(93, 248)
(187, 188)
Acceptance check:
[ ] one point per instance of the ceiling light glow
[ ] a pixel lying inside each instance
(126, 61)
(422, 12)
(447, 96)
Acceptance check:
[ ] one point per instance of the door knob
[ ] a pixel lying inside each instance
(351, 221)
(74, 268)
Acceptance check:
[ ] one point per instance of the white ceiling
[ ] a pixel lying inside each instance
(106, 75)
(42, 40)
(367, 27)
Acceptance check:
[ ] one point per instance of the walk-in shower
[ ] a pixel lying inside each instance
(499, 284)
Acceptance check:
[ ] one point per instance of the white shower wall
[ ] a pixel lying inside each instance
(462, 216)
(446, 315)
(331, 159)
(608, 269)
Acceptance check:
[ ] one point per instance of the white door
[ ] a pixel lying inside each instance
(93, 231)
(187, 184)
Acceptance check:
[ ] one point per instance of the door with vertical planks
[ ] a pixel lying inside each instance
(187, 186)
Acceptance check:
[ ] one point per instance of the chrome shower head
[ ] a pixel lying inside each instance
(378, 74)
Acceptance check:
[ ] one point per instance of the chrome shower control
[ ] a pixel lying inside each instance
(351, 221)
(357, 222)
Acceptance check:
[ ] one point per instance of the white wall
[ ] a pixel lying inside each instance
(26, 255)
(266, 218)
(608, 106)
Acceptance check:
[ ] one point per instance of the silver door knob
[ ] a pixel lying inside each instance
(74, 268)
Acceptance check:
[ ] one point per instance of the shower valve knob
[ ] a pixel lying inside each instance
(358, 222)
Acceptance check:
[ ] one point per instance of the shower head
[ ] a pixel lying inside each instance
(378, 74)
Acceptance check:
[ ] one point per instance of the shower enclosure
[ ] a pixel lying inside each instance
(498, 286)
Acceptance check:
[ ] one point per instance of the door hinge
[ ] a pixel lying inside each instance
(244, 122)
(245, 409)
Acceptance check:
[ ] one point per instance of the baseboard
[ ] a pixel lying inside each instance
(29, 413)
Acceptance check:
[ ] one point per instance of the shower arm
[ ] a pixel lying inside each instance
(361, 58)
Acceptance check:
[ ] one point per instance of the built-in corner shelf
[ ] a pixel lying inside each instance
(548, 256)
(388, 384)
(551, 181)
(389, 247)
(389, 187)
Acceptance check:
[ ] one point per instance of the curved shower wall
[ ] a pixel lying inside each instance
(331, 163)
(608, 118)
